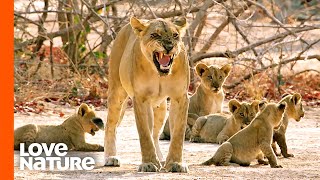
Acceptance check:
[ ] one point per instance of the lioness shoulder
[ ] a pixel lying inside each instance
(71, 131)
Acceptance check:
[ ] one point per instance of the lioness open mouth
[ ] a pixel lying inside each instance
(163, 61)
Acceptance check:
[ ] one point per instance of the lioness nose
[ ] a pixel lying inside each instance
(168, 47)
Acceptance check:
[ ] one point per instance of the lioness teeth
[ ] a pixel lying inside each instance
(160, 55)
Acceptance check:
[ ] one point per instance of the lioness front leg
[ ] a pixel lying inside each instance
(159, 118)
(144, 120)
(178, 121)
(116, 99)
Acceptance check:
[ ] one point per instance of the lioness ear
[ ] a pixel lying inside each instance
(137, 25)
(226, 69)
(262, 104)
(201, 68)
(233, 105)
(296, 98)
(83, 109)
(181, 23)
(255, 104)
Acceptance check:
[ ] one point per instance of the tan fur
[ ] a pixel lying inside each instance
(135, 71)
(249, 143)
(217, 128)
(208, 97)
(71, 131)
(295, 111)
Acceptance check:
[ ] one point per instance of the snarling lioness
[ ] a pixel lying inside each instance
(71, 131)
(149, 64)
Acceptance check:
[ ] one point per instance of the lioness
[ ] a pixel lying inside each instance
(295, 111)
(71, 131)
(208, 97)
(217, 128)
(247, 144)
(149, 64)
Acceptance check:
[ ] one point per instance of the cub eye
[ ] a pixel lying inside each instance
(241, 114)
(175, 35)
(210, 77)
(251, 114)
(220, 77)
(154, 35)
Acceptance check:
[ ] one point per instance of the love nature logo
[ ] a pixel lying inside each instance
(55, 158)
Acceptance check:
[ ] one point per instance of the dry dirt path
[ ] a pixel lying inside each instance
(303, 141)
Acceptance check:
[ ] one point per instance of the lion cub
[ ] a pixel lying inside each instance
(208, 97)
(295, 111)
(247, 144)
(217, 128)
(71, 131)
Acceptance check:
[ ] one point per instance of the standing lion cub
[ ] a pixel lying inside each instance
(71, 131)
(247, 144)
(217, 128)
(208, 97)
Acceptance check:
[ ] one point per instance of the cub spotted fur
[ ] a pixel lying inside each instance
(149, 64)
(249, 143)
(295, 111)
(71, 131)
(208, 97)
(217, 128)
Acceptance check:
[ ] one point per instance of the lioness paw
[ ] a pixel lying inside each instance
(148, 167)
(112, 161)
(177, 167)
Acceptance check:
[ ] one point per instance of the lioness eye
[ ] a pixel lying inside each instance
(154, 35)
(209, 77)
(175, 35)
(241, 114)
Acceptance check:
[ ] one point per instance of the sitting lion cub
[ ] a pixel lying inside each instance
(217, 128)
(71, 131)
(208, 97)
(295, 111)
(247, 144)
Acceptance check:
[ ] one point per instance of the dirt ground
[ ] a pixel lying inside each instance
(302, 138)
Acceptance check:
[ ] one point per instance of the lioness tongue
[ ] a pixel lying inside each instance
(164, 61)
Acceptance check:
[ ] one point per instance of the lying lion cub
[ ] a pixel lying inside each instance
(71, 131)
(295, 111)
(208, 97)
(217, 128)
(247, 144)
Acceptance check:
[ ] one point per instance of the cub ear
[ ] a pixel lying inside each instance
(226, 69)
(137, 25)
(233, 105)
(83, 109)
(282, 105)
(181, 23)
(296, 98)
(201, 68)
(255, 105)
(262, 104)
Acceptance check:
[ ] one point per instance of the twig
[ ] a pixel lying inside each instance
(275, 19)
(153, 14)
(234, 53)
(51, 59)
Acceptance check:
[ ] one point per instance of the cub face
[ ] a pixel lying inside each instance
(294, 106)
(213, 77)
(160, 40)
(243, 112)
(88, 119)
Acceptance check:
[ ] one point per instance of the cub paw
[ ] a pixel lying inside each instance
(100, 148)
(288, 155)
(195, 139)
(112, 161)
(148, 167)
(177, 167)
(276, 166)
